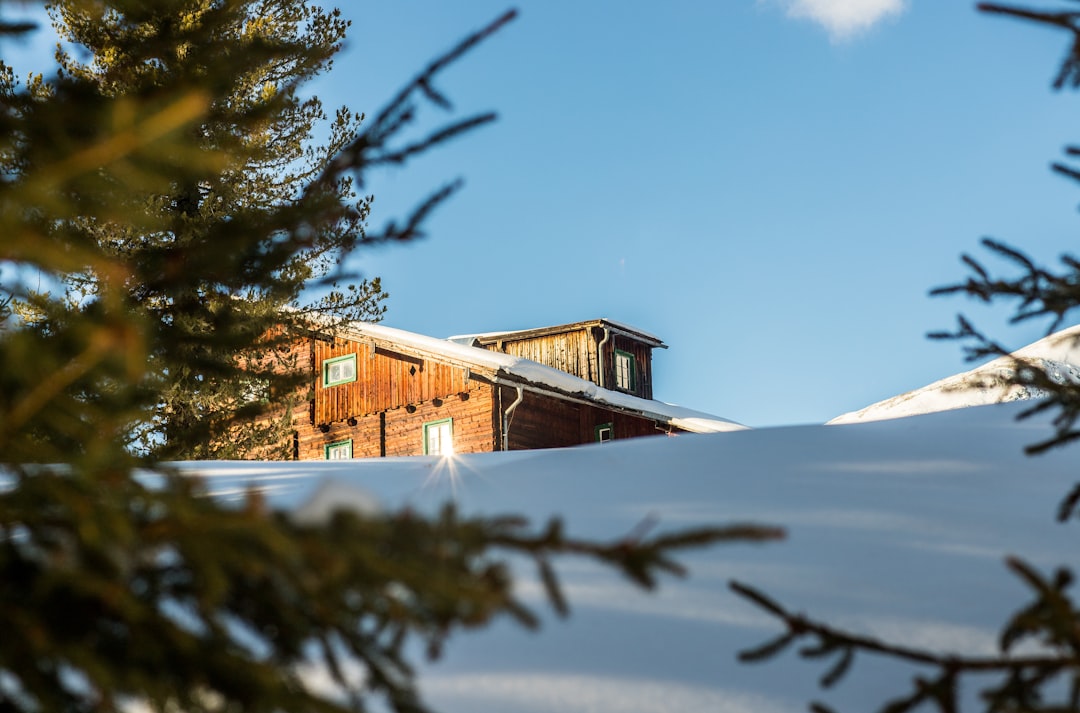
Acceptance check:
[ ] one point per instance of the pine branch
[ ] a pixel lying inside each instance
(371, 148)
(1052, 620)
(1069, 71)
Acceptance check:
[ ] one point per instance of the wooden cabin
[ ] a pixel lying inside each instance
(378, 391)
(609, 354)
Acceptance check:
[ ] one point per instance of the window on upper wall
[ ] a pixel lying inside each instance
(342, 450)
(439, 438)
(624, 370)
(605, 432)
(339, 370)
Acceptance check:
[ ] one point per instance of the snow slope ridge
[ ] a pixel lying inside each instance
(896, 529)
(1057, 354)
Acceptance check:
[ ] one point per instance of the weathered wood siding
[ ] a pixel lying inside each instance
(389, 384)
(473, 424)
(642, 364)
(384, 380)
(544, 422)
(572, 352)
(576, 353)
(312, 442)
(397, 432)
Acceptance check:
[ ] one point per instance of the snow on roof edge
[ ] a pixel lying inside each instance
(466, 338)
(535, 373)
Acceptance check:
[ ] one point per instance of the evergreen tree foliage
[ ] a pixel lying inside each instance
(260, 131)
(160, 201)
(1037, 668)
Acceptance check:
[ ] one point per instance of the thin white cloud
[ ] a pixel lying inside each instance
(844, 19)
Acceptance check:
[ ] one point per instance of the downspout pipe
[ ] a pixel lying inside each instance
(600, 355)
(507, 416)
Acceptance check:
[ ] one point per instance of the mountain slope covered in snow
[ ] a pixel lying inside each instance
(1057, 354)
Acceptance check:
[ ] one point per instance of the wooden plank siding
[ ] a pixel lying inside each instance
(642, 364)
(575, 352)
(384, 380)
(544, 422)
(572, 352)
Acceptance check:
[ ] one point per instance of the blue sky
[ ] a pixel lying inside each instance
(771, 194)
(770, 186)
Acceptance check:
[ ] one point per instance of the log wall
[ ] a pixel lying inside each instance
(473, 424)
(544, 422)
(397, 432)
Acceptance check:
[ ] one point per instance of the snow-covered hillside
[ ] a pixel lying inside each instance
(1057, 354)
(896, 528)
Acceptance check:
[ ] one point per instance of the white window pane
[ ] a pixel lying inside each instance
(622, 371)
(440, 439)
(339, 371)
(340, 451)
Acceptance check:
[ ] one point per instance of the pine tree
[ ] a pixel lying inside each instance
(1037, 667)
(146, 244)
(261, 129)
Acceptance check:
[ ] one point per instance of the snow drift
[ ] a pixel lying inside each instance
(895, 528)
(1057, 354)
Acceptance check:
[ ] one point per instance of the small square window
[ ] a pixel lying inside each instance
(605, 432)
(624, 370)
(342, 450)
(439, 438)
(339, 370)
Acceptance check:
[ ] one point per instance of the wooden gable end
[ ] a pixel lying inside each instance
(577, 352)
(573, 352)
(384, 379)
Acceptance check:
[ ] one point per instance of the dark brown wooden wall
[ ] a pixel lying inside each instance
(384, 380)
(397, 432)
(545, 422)
(642, 358)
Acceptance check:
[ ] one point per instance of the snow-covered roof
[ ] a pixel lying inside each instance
(1058, 354)
(603, 322)
(896, 529)
(525, 372)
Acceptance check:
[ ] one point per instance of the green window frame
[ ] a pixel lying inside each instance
(604, 432)
(439, 437)
(338, 450)
(339, 370)
(625, 370)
